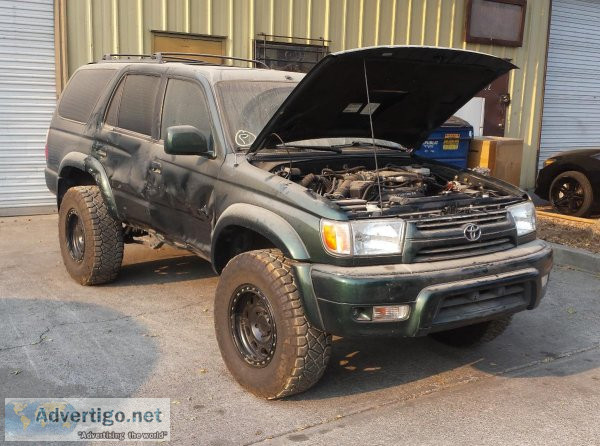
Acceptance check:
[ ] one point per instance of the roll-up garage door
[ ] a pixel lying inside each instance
(27, 100)
(571, 117)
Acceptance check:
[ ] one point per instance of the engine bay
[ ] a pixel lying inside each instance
(395, 188)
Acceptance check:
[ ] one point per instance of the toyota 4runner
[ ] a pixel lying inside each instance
(305, 196)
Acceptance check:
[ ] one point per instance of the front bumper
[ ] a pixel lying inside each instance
(442, 295)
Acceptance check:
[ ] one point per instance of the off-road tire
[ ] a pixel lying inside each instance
(588, 193)
(103, 237)
(301, 351)
(473, 334)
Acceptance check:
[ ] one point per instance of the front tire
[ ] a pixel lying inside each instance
(266, 341)
(91, 241)
(473, 334)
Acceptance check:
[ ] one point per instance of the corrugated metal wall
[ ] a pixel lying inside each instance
(27, 100)
(571, 116)
(95, 27)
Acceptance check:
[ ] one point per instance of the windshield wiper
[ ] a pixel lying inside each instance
(336, 149)
(369, 144)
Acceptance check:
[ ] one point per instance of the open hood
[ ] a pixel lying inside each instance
(412, 90)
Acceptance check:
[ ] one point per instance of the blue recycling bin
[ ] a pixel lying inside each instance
(449, 143)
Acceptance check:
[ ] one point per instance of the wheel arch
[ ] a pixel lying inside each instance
(79, 169)
(270, 229)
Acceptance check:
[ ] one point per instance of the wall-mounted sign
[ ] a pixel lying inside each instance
(495, 22)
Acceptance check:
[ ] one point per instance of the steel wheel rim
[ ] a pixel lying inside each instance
(75, 235)
(252, 326)
(568, 195)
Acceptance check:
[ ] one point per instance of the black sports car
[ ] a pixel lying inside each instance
(571, 181)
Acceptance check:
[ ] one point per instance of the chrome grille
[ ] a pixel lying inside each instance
(457, 221)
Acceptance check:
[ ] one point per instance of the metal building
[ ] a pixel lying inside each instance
(571, 117)
(96, 27)
(289, 33)
(27, 100)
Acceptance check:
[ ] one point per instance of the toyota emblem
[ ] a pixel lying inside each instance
(472, 232)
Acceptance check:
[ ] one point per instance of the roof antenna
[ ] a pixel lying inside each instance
(370, 110)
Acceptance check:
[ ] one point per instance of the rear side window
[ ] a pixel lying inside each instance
(82, 94)
(132, 106)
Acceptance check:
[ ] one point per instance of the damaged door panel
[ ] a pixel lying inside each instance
(124, 143)
(180, 187)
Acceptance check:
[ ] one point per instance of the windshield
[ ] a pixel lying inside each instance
(248, 106)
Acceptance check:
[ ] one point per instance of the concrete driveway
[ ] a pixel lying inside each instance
(150, 334)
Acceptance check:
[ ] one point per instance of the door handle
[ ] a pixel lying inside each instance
(155, 167)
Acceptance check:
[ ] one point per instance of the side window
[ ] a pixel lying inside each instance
(82, 93)
(113, 109)
(185, 104)
(132, 105)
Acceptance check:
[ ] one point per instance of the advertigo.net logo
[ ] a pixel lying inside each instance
(84, 419)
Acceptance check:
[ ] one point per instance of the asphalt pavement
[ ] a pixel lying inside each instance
(150, 334)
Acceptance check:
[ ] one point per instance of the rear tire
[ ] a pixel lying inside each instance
(91, 241)
(266, 341)
(571, 193)
(473, 334)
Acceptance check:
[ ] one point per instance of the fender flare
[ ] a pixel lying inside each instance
(266, 223)
(92, 166)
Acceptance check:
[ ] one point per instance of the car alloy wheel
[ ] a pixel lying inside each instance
(568, 195)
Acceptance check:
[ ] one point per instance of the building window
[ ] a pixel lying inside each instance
(289, 56)
(495, 22)
(175, 42)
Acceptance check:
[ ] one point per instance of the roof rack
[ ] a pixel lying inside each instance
(163, 57)
(186, 57)
(116, 57)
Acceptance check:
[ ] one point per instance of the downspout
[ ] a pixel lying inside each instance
(60, 46)
(537, 158)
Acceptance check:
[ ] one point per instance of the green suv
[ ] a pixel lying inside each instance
(304, 194)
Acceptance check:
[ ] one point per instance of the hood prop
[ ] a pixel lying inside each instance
(373, 136)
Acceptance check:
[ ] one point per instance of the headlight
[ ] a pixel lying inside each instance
(363, 238)
(377, 237)
(524, 216)
(549, 161)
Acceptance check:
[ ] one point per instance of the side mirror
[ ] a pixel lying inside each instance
(186, 140)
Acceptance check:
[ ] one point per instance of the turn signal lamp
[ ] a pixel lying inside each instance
(336, 236)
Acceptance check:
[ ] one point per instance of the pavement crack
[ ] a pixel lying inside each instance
(43, 335)
(549, 358)
(41, 339)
